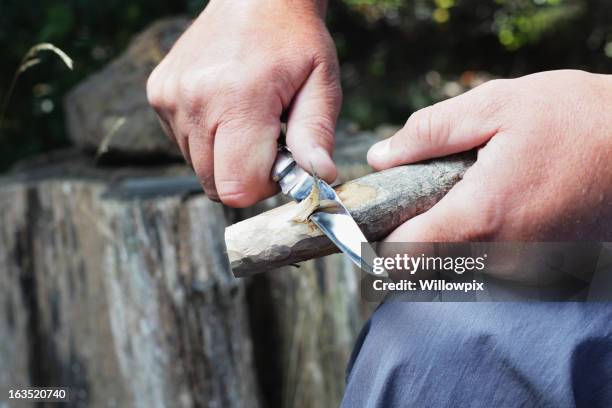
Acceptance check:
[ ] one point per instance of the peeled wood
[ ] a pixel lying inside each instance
(379, 202)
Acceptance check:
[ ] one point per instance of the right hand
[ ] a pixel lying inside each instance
(221, 90)
(543, 171)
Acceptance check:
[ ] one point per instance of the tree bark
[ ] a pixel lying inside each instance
(379, 202)
(305, 322)
(124, 298)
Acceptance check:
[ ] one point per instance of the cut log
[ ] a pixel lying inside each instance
(124, 298)
(114, 282)
(379, 202)
(305, 323)
(15, 298)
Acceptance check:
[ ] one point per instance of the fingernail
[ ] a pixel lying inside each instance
(379, 150)
(321, 162)
(319, 151)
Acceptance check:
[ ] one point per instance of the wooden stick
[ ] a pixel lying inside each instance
(379, 202)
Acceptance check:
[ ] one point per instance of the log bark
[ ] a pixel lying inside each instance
(379, 202)
(306, 320)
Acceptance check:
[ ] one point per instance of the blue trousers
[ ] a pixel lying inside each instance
(483, 355)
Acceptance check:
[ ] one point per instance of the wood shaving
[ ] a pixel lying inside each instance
(308, 205)
(313, 202)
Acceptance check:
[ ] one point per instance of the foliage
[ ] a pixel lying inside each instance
(91, 32)
(396, 55)
(30, 59)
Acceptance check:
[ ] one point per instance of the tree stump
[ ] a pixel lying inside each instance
(127, 301)
(114, 282)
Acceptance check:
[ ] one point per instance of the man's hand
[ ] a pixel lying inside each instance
(223, 87)
(544, 173)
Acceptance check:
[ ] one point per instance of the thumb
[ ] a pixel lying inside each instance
(312, 121)
(450, 126)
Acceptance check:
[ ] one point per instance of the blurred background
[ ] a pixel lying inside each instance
(114, 280)
(396, 55)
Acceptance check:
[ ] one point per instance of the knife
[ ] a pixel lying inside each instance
(334, 220)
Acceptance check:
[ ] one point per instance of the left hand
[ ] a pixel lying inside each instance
(544, 173)
(221, 90)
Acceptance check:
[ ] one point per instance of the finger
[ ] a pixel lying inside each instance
(181, 140)
(182, 128)
(196, 125)
(202, 155)
(165, 125)
(158, 96)
(451, 126)
(245, 147)
(312, 122)
(462, 215)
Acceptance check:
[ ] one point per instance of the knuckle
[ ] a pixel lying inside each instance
(333, 94)
(328, 64)
(237, 90)
(234, 193)
(495, 85)
(495, 96)
(155, 90)
(275, 79)
(162, 98)
(256, 84)
(236, 118)
(276, 71)
(192, 88)
(423, 125)
(492, 107)
(420, 126)
(321, 129)
(253, 74)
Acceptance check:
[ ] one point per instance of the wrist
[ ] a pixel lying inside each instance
(321, 7)
(607, 79)
(316, 8)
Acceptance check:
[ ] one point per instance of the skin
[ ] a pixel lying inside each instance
(544, 171)
(222, 89)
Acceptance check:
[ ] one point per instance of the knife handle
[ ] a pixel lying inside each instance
(293, 180)
(283, 164)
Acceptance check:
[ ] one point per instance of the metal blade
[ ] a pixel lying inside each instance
(331, 217)
(340, 227)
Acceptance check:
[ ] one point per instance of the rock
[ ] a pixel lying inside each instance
(109, 112)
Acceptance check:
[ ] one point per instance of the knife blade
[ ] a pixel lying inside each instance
(333, 219)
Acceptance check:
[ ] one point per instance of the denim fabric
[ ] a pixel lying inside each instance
(483, 355)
